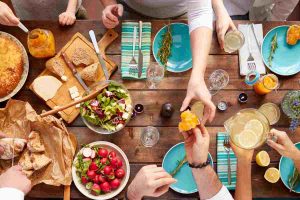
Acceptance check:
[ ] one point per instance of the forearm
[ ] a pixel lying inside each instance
(297, 160)
(72, 5)
(243, 189)
(218, 7)
(207, 182)
(200, 44)
(108, 2)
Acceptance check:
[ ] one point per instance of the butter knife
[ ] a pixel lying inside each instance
(140, 62)
(256, 39)
(75, 73)
(102, 62)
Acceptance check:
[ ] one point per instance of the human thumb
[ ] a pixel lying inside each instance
(186, 103)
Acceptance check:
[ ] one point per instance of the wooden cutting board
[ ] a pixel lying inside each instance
(62, 97)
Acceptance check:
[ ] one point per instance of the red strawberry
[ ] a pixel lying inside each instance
(105, 187)
(96, 189)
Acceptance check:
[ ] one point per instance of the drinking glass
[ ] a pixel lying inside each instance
(233, 41)
(155, 73)
(217, 80)
(149, 136)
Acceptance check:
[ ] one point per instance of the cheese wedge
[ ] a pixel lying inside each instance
(46, 86)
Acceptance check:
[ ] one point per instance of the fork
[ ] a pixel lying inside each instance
(227, 149)
(133, 62)
(250, 61)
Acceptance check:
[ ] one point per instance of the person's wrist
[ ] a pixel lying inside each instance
(296, 154)
(133, 194)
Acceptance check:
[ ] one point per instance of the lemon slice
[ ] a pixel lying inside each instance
(272, 175)
(262, 159)
(255, 126)
(247, 139)
(197, 108)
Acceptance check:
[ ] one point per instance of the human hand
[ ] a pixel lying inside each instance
(110, 15)
(196, 143)
(284, 146)
(7, 16)
(67, 18)
(150, 181)
(224, 23)
(243, 155)
(198, 90)
(15, 178)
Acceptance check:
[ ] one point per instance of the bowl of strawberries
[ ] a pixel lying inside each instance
(100, 170)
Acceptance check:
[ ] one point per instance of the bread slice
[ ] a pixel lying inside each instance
(35, 144)
(12, 147)
(90, 73)
(39, 161)
(81, 58)
(25, 161)
(46, 86)
(293, 35)
(56, 66)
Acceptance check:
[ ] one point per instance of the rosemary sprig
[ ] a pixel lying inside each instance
(294, 179)
(274, 46)
(164, 51)
(178, 167)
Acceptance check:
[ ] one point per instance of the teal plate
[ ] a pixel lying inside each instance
(286, 59)
(286, 167)
(185, 181)
(180, 59)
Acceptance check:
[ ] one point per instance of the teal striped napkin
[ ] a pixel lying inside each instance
(126, 49)
(222, 163)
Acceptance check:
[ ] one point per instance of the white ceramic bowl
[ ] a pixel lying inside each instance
(126, 167)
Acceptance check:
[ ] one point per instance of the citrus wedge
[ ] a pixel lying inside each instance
(272, 175)
(262, 159)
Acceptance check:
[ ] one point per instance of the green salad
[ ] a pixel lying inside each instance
(111, 109)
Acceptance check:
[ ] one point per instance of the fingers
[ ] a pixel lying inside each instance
(120, 10)
(111, 17)
(160, 175)
(221, 34)
(185, 103)
(160, 191)
(164, 181)
(1, 150)
(185, 135)
(274, 145)
(149, 166)
(108, 23)
(232, 26)
(203, 130)
(209, 112)
(280, 135)
(13, 20)
(2, 135)
(156, 169)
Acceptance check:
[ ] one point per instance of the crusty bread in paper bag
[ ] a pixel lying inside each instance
(59, 144)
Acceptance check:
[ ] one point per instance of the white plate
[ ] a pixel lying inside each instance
(126, 167)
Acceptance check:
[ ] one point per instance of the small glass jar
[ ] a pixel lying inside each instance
(41, 43)
(266, 84)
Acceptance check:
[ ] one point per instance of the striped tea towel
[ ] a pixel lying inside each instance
(222, 163)
(126, 49)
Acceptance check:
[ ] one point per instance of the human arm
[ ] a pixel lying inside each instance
(7, 17)
(243, 190)
(68, 17)
(111, 12)
(282, 10)
(284, 146)
(223, 21)
(14, 184)
(150, 181)
(200, 23)
(196, 144)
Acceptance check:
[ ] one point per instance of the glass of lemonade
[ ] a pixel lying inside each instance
(248, 128)
(233, 41)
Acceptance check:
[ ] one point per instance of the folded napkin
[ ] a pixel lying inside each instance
(222, 163)
(255, 50)
(127, 71)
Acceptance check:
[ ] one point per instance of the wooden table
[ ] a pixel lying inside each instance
(172, 89)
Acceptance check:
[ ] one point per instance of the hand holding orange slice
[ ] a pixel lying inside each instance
(188, 121)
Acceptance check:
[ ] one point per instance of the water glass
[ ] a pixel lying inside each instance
(218, 80)
(233, 41)
(155, 74)
(149, 136)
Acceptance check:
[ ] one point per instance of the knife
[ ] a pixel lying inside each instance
(140, 62)
(75, 73)
(102, 62)
(256, 38)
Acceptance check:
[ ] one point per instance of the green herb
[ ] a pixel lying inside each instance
(274, 46)
(294, 179)
(179, 165)
(164, 51)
